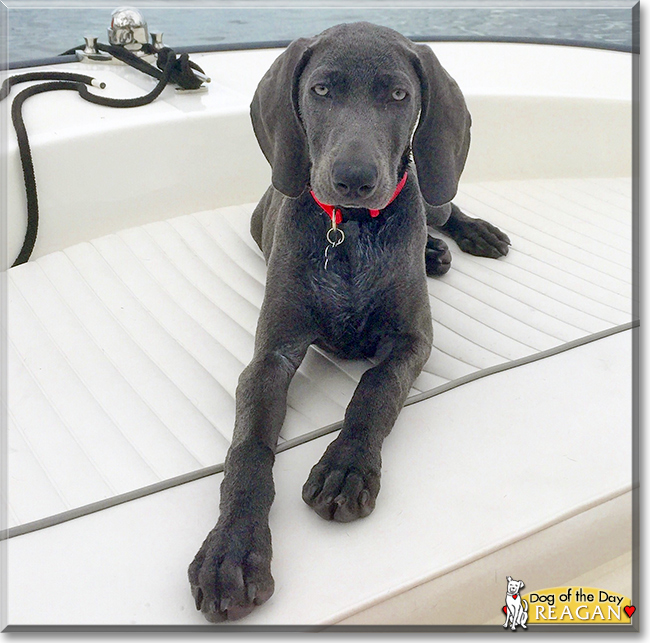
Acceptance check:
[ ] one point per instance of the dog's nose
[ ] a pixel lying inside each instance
(354, 179)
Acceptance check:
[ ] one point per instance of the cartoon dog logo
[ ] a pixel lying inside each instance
(516, 609)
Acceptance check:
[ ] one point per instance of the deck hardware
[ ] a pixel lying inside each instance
(128, 29)
(129, 32)
(90, 53)
(128, 42)
(157, 40)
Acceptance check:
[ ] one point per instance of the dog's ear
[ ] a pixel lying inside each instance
(508, 578)
(521, 584)
(277, 126)
(441, 139)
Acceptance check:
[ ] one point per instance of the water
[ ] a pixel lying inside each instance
(42, 32)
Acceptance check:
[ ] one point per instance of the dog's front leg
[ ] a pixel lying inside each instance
(232, 571)
(344, 484)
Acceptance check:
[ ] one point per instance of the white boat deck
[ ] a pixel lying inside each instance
(126, 340)
(125, 351)
(506, 484)
(124, 356)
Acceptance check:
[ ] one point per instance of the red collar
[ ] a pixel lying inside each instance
(335, 213)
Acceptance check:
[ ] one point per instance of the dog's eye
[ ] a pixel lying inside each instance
(321, 90)
(398, 94)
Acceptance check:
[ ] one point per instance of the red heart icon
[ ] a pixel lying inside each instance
(629, 610)
(505, 609)
(514, 596)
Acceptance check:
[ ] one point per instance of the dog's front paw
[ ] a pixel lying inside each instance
(483, 239)
(231, 573)
(480, 238)
(475, 236)
(437, 257)
(343, 486)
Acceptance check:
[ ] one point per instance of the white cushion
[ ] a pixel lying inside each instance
(124, 352)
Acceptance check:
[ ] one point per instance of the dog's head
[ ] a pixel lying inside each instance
(340, 112)
(514, 585)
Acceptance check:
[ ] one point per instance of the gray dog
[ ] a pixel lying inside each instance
(343, 229)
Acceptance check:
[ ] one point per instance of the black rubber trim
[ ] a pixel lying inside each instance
(100, 505)
(565, 42)
(279, 44)
(42, 62)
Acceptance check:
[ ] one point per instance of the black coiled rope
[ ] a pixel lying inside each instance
(177, 70)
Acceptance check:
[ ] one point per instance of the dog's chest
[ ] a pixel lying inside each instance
(348, 296)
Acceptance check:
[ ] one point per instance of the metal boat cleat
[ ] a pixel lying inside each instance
(199, 90)
(90, 53)
(157, 40)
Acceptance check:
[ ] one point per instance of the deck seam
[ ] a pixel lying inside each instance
(198, 474)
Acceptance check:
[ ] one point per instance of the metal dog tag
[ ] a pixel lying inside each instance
(335, 237)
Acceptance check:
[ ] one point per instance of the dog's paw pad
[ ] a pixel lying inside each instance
(228, 577)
